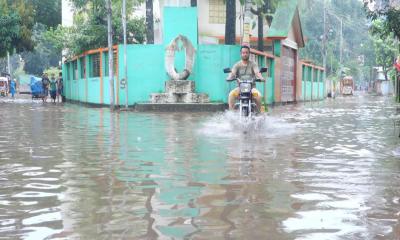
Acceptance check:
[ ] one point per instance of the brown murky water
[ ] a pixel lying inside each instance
(327, 170)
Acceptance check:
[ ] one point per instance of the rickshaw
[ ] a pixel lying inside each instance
(3, 86)
(36, 88)
(347, 86)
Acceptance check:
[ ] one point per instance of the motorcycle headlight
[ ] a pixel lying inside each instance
(245, 87)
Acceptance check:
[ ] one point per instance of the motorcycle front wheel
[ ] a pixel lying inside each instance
(245, 111)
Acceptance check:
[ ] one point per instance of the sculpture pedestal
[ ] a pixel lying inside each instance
(179, 91)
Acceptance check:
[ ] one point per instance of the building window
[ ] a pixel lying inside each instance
(217, 11)
(94, 65)
(66, 77)
(83, 68)
(75, 70)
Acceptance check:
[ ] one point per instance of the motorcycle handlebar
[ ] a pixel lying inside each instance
(237, 79)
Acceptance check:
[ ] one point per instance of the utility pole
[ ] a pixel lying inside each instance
(324, 48)
(110, 54)
(8, 63)
(341, 44)
(125, 61)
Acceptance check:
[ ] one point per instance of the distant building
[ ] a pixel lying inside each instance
(211, 19)
(381, 86)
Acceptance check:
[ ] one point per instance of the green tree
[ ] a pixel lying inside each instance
(384, 45)
(389, 14)
(264, 11)
(47, 12)
(16, 22)
(90, 27)
(356, 40)
(44, 55)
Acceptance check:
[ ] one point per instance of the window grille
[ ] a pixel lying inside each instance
(95, 65)
(217, 12)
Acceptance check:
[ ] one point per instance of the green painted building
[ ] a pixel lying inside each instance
(86, 77)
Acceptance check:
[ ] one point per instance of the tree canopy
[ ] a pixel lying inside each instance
(387, 12)
(16, 22)
(17, 18)
(90, 27)
(357, 56)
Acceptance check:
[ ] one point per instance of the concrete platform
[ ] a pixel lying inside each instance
(181, 107)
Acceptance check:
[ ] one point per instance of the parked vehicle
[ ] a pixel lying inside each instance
(246, 104)
(3, 86)
(36, 88)
(347, 86)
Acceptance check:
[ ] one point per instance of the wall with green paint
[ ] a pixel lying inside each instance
(209, 77)
(146, 75)
(146, 72)
(180, 20)
(146, 67)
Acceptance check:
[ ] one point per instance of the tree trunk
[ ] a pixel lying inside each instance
(247, 23)
(230, 22)
(385, 73)
(110, 53)
(149, 22)
(260, 43)
(193, 3)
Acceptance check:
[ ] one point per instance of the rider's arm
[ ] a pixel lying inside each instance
(257, 73)
(232, 74)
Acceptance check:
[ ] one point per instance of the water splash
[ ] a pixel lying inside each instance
(23, 100)
(229, 124)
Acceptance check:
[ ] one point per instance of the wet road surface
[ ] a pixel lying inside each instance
(326, 170)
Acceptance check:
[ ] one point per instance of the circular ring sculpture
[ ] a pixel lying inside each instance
(170, 50)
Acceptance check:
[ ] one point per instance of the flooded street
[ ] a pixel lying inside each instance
(322, 170)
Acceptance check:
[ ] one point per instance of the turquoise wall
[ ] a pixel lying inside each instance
(94, 92)
(146, 68)
(146, 72)
(180, 20)
(210, 78)
(146, 75)
(309, 84)
(184, 22)
(312, 84)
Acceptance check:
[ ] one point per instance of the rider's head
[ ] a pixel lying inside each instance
(245, 52)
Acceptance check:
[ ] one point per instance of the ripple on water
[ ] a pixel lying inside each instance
(32, 194)
(338, 221)
(42, 218)
(311, 196)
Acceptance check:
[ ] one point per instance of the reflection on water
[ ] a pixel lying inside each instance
(315, 171)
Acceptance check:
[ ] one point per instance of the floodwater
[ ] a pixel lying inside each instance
(322, 170)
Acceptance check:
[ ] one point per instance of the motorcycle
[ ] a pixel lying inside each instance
(246, 105)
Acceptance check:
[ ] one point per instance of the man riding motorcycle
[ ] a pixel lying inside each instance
(245, 69)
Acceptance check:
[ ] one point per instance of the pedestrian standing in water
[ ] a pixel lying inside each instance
(60, 88)
(45, 85)
(53, 88)
(13, 87)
